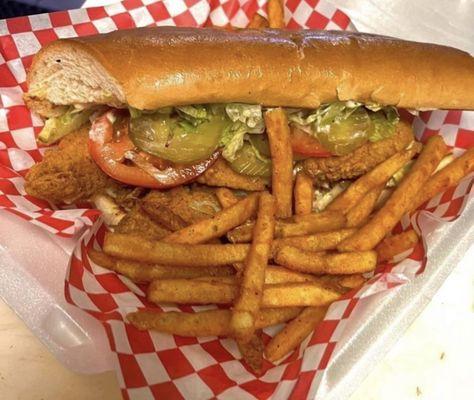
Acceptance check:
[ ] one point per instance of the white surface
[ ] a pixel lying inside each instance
(433, 360)
(22, 355)
(448, 22)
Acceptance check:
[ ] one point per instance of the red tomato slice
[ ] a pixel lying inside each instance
(306, 145)
(109, 154)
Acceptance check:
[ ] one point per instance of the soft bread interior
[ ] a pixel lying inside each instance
(67, 75)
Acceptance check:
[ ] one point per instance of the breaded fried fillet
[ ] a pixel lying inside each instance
(361, 160)
(67, 172)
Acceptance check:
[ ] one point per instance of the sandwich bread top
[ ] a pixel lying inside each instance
(149, 68)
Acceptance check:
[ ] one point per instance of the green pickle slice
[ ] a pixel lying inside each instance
(253, 158)
(57, 127)
(175, 139)
(344, 133)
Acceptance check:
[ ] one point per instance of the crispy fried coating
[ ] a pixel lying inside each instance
(67, 172)
(222, 175)
(43, 107)
(188, 204)
(138, 222)
(159, 213)
(361, 160)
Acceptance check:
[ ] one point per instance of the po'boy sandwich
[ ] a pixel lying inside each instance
(158, 108)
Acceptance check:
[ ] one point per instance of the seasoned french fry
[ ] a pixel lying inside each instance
(144, 272)
(401, 200)
(448, 177)
(182, 291)
(239, 267)
(204, 323)
(303, 194)
(141, 272)
(191, 291)
(311, 223)
(135, 248)
(273, 274)
(303, 325)
(396, 244)
(275, 14)
(229, 280)
(301, 225)
(252, 351)
(359, 214)
(217, 225)
(226, 197)
(281, 152)
(344, 282)
(102, 259)
(376, 177)
(294, 333)
(274, 316)
(247, 304)
(298, 294)
(316, 242)
(258, 22)
(321, 263)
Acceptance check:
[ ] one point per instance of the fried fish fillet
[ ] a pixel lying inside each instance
(159, 213)
(67, 173)
(184, 205)
(220, 174)
(139, 222)
(361, 160)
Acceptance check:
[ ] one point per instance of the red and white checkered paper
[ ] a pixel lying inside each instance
(155, 365)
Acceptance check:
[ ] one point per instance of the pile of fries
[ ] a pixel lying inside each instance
(228, 258)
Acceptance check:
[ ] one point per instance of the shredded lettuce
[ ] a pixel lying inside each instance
(136, 113)
(302, 118)
(246, 118)
(320, 119)
(248, 114)
(192, 115)
(383, 123)
(232, 140)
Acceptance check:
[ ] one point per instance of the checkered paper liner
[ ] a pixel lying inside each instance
(151, 364)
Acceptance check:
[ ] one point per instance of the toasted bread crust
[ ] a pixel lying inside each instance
(162, 66)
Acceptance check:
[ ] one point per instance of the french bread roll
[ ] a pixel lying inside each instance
(155, 67)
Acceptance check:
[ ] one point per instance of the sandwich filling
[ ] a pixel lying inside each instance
(138, 146)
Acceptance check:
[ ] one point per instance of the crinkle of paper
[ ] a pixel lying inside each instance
(156, 365)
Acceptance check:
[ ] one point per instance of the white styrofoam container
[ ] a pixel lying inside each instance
(33, 266)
